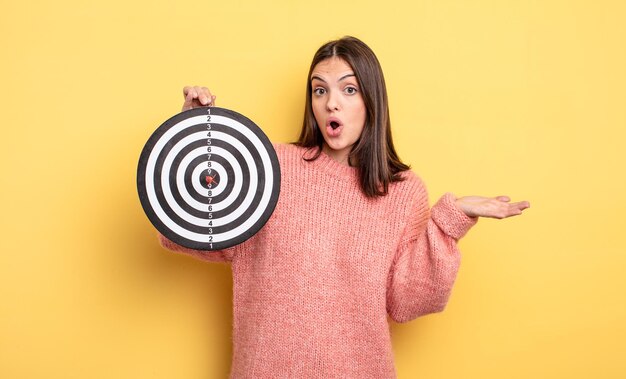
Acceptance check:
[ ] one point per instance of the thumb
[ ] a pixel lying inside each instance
(506, 199)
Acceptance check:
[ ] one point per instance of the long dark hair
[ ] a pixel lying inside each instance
(374, 155)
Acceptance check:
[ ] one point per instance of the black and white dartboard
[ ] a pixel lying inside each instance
(208, 178)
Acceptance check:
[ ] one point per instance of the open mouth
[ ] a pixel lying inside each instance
(333, 127)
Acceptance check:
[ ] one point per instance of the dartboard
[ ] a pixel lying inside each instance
(208, 178)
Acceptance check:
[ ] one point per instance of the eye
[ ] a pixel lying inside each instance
(350, 90)
(319, 91)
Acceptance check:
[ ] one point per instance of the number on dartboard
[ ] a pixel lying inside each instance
(210, 185)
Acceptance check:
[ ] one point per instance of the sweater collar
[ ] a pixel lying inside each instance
(331, 166)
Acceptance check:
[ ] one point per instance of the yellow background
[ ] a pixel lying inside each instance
(526, 98)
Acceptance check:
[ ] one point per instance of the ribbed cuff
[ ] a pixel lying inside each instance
(450, 218)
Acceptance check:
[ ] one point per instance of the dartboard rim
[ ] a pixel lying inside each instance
(147, 205)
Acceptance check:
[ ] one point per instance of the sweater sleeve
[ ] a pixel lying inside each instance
(427, 260)
(225, 255)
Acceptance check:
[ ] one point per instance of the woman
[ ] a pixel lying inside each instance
(352, 239)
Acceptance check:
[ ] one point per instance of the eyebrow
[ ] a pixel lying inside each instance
(340, 79)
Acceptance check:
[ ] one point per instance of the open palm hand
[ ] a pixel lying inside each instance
(494, 207)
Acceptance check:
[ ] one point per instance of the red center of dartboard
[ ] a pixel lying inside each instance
(210, 180)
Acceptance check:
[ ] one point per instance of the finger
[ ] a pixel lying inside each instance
(192, 94)
(506, 199)
(188, 92)
(204, 95)
(213, 97)
(516, 209)
(521, 205)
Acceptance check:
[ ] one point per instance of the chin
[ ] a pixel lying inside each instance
(336, 148)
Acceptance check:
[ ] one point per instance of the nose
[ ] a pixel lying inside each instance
(332, 104)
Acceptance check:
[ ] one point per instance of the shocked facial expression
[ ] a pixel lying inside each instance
(338, 106)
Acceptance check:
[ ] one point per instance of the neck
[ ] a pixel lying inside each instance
(341, 156)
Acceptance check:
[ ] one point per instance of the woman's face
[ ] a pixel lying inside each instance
(338, 106)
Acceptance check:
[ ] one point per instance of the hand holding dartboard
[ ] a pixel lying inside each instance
(208, 178)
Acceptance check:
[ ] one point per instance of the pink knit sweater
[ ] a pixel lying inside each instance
(312, 289)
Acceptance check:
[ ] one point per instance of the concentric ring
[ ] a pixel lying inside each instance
(208, 178)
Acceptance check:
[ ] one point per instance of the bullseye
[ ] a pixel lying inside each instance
(208, 178)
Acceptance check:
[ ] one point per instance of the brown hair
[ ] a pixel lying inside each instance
(374, 155)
